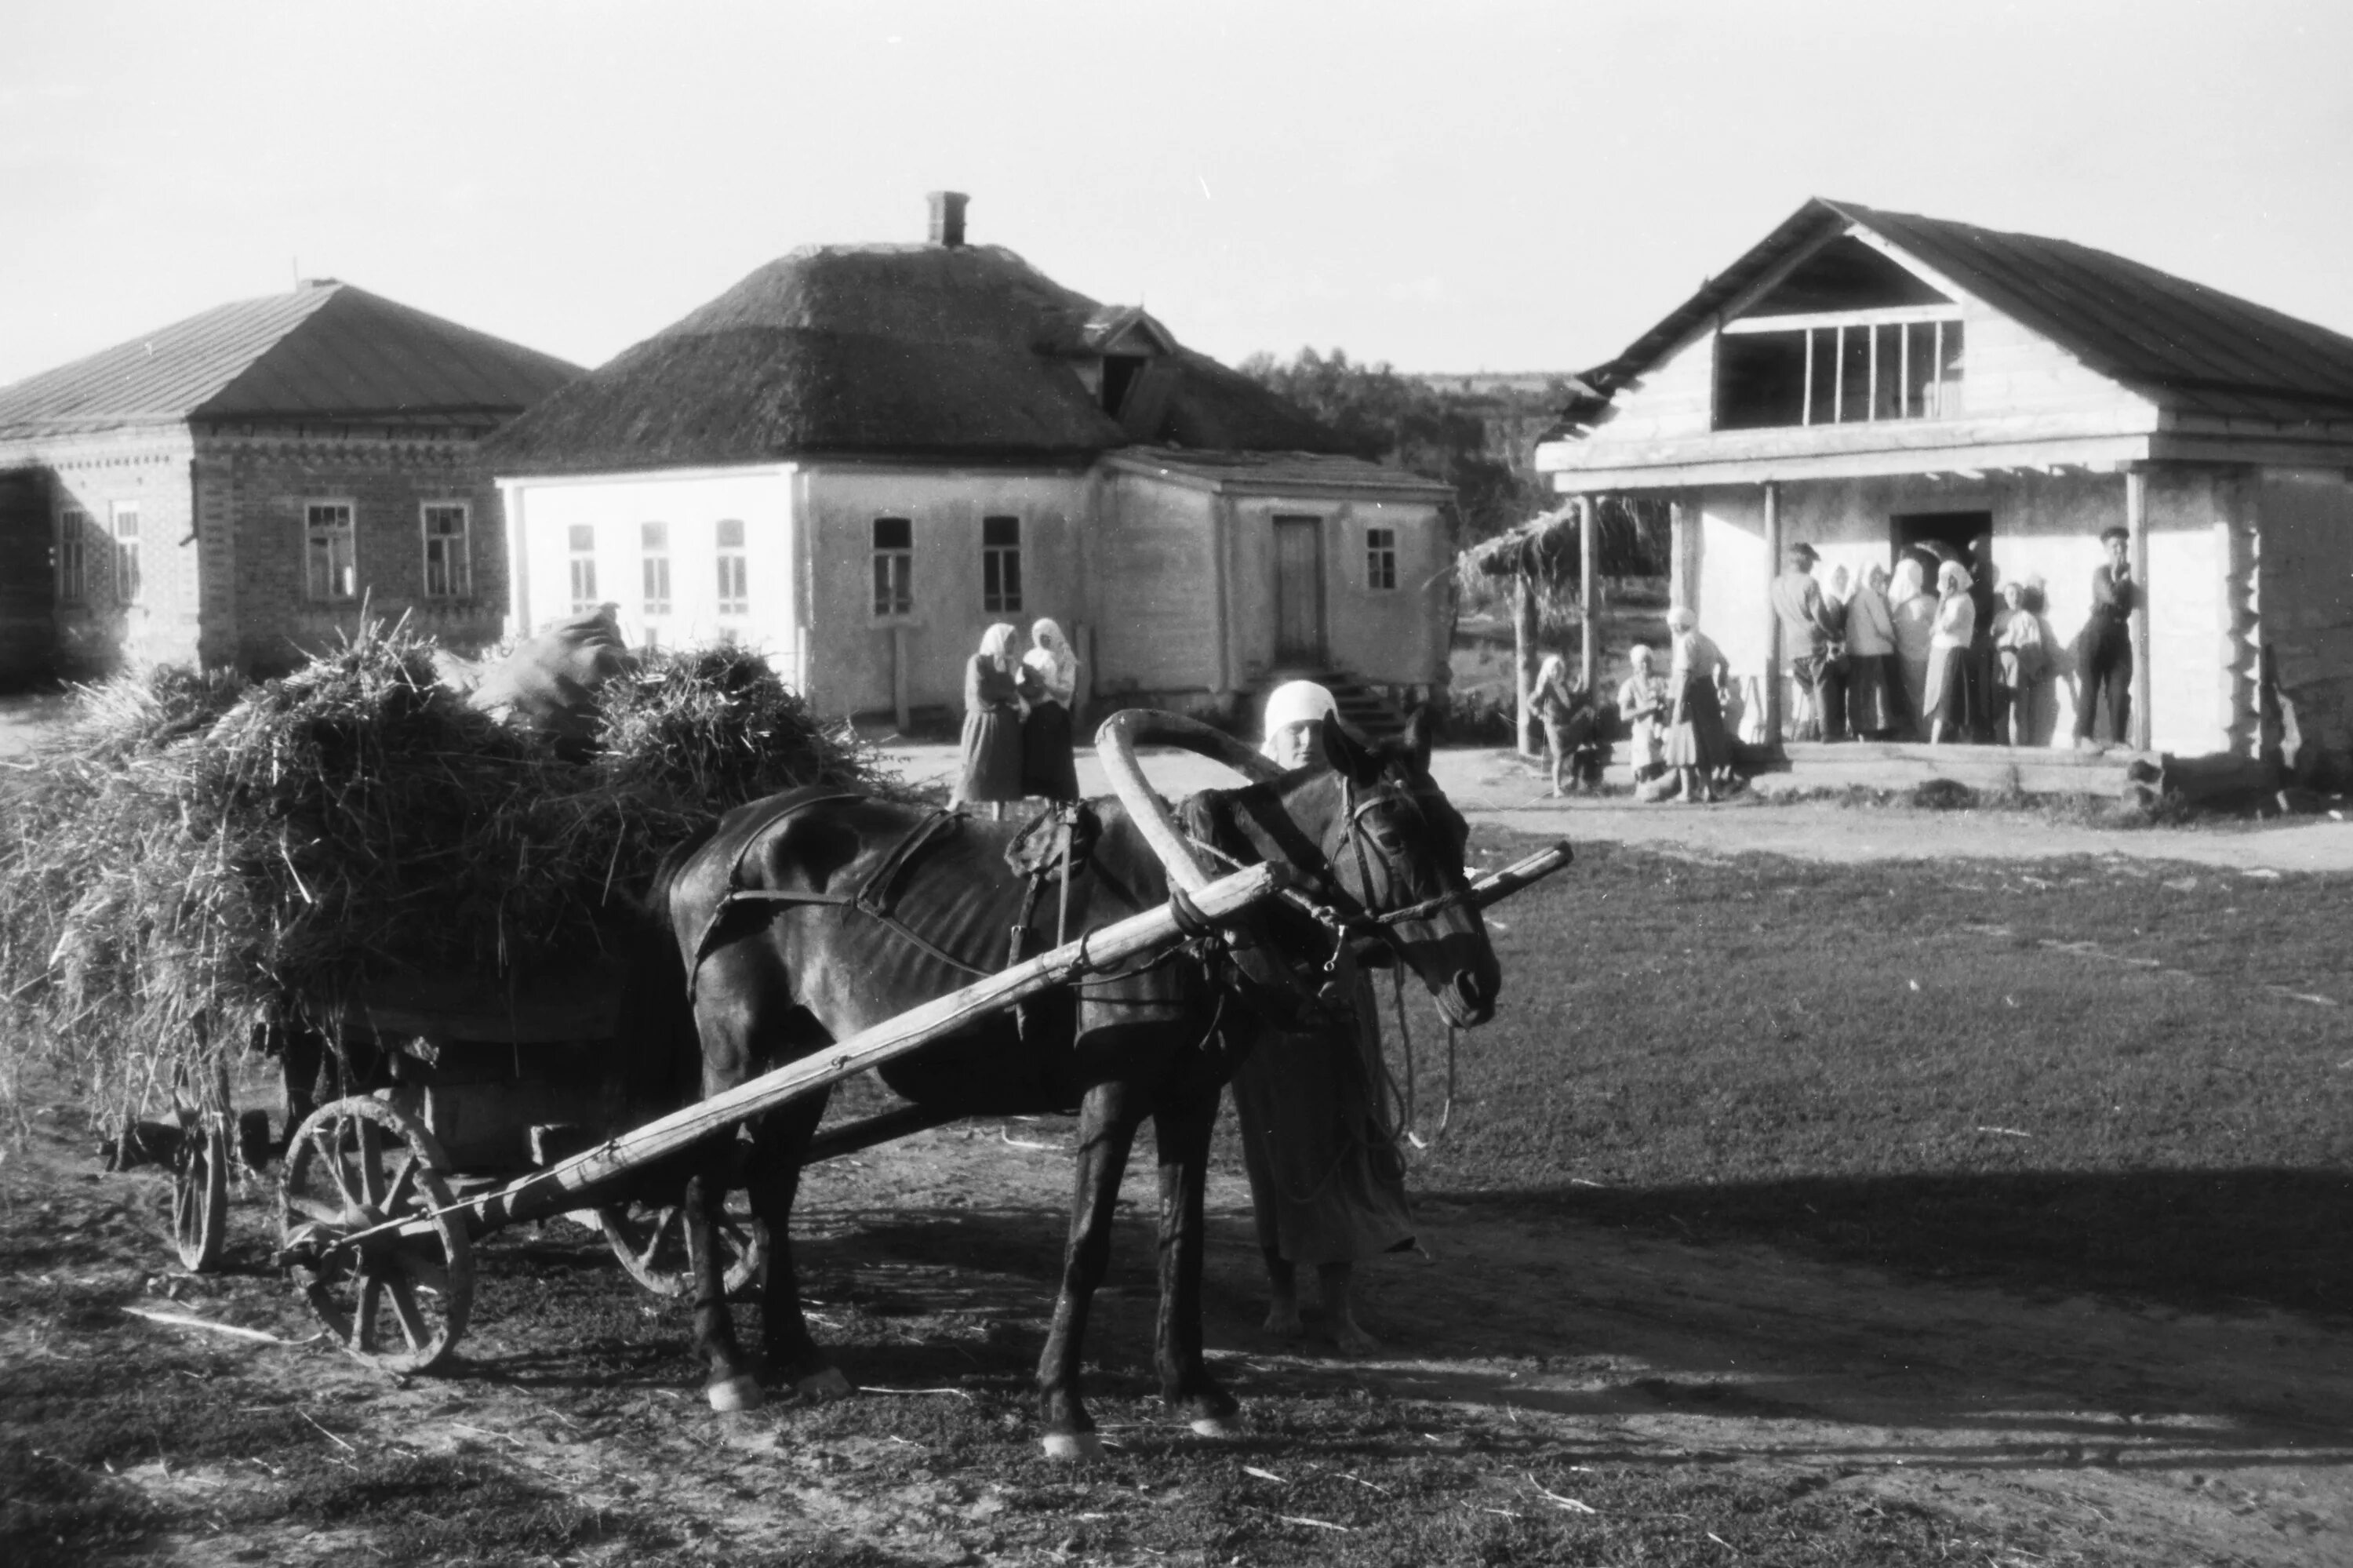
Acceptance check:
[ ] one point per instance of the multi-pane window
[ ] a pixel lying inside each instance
(1380, 558)
(653, 540)
(128, 585)
(449, 563)
(1769, 374)
(734, 575)
(895, 565)
(73, 556)
(1000, 565)
(330, 557)
(582, 538)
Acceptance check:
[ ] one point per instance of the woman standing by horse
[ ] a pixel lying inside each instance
(992, 724)
(1328, 1183)
(1049, 679)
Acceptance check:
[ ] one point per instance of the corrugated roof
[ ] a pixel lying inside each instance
(325, 351)
(932, 350)
(2188, 347)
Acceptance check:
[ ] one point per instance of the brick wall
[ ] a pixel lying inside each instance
(253, 490)
(104, 475)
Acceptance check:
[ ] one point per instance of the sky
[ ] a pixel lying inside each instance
(1442, 186)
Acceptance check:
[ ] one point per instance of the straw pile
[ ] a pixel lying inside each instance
(193, 856)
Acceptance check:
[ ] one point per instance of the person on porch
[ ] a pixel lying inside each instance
(1948, 655)
(2021, 644)
(1810, 635)
(1874, 680)
(2103, 648)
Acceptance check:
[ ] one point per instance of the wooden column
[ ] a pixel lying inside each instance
(1773, 695)
(2137, 526)
(1683, 555)
(901, 712)
(1525, 628)
(1589, 569)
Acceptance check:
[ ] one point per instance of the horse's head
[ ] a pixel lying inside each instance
(1392, 842)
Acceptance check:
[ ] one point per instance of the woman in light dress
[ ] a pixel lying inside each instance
(1049, 678)
(1914, 612)
(2023, 665)
(1328, 1183)
(992, 724)
(1697, 745)
(1874, 680)
(1643, 702)
(1949, 650)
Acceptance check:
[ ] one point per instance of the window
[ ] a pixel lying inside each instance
(735, 580)
(1844, 373)
(129, 586)
(329, 569)
(73, 556)
(582, 537)
(448, 564)
(1380, 558)
(1000, 565)
(654, 539)
(895, 565)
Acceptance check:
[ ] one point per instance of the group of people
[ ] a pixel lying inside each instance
(1883, 658)
(1016, 718)
(1676, 722)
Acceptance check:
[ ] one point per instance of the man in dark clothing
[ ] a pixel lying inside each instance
(1813, 632)
(2103, 654)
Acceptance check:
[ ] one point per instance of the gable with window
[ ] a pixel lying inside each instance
(448, 557)
(73, 556)
(1000, 566)
(1848, 337)
(330, 552)
(895, 565)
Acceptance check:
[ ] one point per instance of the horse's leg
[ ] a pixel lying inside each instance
(730, 1384)
(779, 1143)
(1283, 1292)
(1107, 1123)
(1182, 1133)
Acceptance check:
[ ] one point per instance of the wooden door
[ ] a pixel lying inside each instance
(1299, 591)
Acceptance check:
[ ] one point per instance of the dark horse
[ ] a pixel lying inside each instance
(803, 919)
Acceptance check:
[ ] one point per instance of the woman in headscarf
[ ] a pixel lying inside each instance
(2021, 647)
(1643, 702)
(1948, 654)
(1328, 1183)
(1914, 612)
(1050, 677)
(1697, 746)
(1874, 682)
(1568, 719)
(992, 724)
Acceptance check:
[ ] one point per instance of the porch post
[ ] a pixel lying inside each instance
(2137, 526)
(1588, 565)
(1524, 631)
(1772, 621)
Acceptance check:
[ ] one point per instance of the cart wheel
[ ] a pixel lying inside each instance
(396, 1296)
(651, 1241)
(200, 1191)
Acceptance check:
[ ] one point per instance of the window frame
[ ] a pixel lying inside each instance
(891, 576)
(1380, 558)
(312, 592)
(582, 583)
(734, 567)
(1898, 364)
(130, 574)
(72, 560)
(653, 572)
(458, 584)
(996, 597)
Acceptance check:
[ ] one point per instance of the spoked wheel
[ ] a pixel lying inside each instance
(651, 1241)
(373, 1237)
(200, 1189)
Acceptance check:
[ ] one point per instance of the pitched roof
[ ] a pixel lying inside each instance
(1281, 471)
(2188, 347)
(326, 351)
(896, 350)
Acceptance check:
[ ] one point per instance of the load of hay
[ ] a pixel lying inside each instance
(192, 857)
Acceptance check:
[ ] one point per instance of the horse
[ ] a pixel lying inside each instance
(802, 920)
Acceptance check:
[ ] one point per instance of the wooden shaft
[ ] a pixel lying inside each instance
(1500, 884)
(560, 1187)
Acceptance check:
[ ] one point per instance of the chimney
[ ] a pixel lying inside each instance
(947, 217)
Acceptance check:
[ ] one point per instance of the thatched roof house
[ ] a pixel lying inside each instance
(863, 455)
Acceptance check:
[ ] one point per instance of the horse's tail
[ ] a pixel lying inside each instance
(661, 1060)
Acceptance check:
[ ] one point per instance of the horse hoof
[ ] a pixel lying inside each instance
(1217, 1427)
(1080, 1445)
(819, 1387)
(735, 1393)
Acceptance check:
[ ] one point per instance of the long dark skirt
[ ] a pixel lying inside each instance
(992, 754)
(1046, 767)
(1698, 738)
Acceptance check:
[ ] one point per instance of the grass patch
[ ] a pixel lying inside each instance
(2085, 1073)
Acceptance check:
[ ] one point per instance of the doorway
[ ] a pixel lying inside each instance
(1299, 591)
(1937, 536)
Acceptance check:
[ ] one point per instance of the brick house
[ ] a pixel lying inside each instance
(235, 488)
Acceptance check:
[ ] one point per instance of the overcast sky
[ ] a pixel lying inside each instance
(1447, 186)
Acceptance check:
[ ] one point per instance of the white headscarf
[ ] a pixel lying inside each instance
(1554, 668)
(1294, 702)
(1909, 583)
(997, 641)
(1056, 664)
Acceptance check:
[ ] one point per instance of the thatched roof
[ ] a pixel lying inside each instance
(1544, 548)
(899, 350)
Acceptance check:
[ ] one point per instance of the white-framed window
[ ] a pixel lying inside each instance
(73, 556)
(734, 570)
(330, 551)
(1380, 558)
(449, 552)
(580, 538)
(895, 565)
(130, 584)
(1000, 566)
(653, 542)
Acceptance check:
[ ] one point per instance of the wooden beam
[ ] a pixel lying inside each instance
(1772, 621)
(1883, 315)
(1588, 568)
(2137, 526)
(1525, 628)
